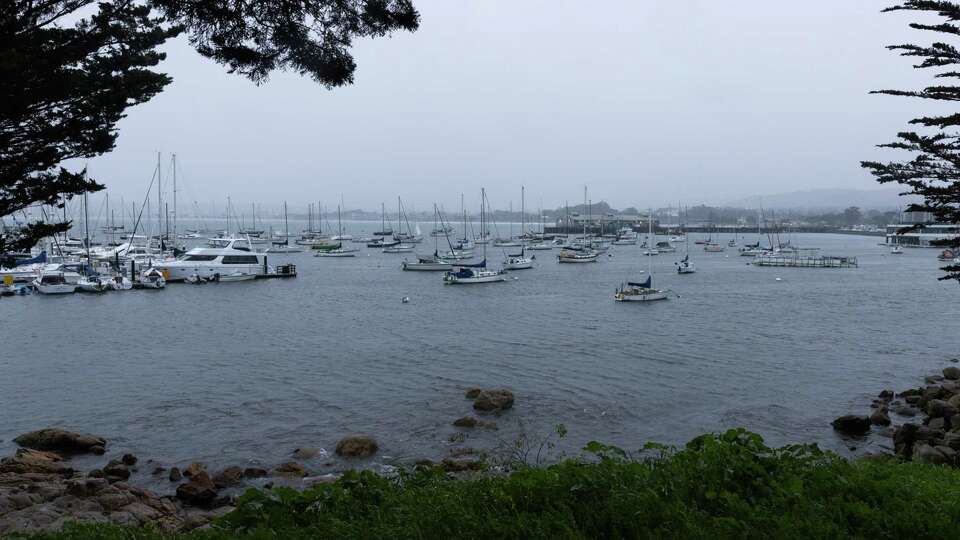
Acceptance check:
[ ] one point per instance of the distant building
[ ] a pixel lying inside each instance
(924, 232)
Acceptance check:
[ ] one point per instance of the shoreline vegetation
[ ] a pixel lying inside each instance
(724, 485)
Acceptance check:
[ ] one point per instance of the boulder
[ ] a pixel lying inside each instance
(938, 408)
(254, 472)
(306, 453)
(194, 469)
(951, 372)
(904, 440)
(465, 422)
(493, 400)
(886, 395)
(175, 474)
(852, 424)
(928, 454)
(357, 445)
(880, 417)
(904, 410)
(61, 440)
(290, 468)
(129, 460)
(28, 460)
(952, 440)
(954, 401)
(947, 452)
(116, 471)
(230, 476)
(936, 423)
(472, 393)
(199, 491)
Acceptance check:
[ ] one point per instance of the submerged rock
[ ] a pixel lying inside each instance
(58, 439)
(290, 468)
(465, 422)
(357, 445)
(493, 400)
(852, 424)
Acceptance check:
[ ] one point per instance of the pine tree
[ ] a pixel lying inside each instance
(933, 172)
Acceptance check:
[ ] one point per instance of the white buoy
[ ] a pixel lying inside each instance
(405, 299)
(779, 279)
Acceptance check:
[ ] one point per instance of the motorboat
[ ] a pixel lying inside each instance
(152, 278)
(896, 250)
(235, 276)
(577, 255)
(53, 282)
(234, 256)
(685, 266)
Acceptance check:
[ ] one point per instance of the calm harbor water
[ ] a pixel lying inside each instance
(239, 373)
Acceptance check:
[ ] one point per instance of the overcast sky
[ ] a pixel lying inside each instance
(646, 102)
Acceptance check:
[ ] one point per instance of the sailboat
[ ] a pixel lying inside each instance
(641, 292)
(583, 253)
(521, 261)
(339, 250)
(283, 246)
(685, 266)
(432, 263)
(475, 273)
(384, 230)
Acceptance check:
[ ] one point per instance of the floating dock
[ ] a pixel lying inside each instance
(805, 261)
(281, 271)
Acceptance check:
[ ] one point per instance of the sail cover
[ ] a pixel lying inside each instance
(645, 284)
(41, 258)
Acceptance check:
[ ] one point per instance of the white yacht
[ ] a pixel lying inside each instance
(231, 256)
(53, 282)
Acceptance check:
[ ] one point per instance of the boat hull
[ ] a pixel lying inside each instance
(426, 267)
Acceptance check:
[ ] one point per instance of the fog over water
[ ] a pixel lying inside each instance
(646, 102)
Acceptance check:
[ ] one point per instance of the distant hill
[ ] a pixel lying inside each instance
(827, 199)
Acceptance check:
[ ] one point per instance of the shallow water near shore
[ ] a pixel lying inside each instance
(243, 373)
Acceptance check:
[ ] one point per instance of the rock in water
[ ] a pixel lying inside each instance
(28, 460)
(357, 445)
(199, 491)
(194, 469)
(291, 468)
(129, 460)
(852, 424)
(230, 476)
(951, 372)
(254, 472)
(57, 439)
(175, 475)
(493, 400)
(472, 393)
(465, 422)
(306, 453)
(880, 417)
(116, 471)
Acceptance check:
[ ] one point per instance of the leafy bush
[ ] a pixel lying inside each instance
(717, 486)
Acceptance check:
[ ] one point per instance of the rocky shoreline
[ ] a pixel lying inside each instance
(41, 491)
(922, 422)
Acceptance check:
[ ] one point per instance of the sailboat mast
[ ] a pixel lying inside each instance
(483, 198)
(174, 200)
(86, 219)
(159, 204)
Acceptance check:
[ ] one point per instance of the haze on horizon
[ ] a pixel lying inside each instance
(647, 103)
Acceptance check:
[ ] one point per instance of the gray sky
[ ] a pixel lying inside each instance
(646, 102)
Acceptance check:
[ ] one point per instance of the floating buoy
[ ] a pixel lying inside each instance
(405, 299)
(779, 279)
(515, 278)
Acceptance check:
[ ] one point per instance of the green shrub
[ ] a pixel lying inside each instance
(716, 487)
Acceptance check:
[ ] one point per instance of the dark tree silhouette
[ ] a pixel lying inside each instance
(69, 69)
(934, 170)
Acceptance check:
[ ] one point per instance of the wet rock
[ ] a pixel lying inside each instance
(904, 440)
(465, 422)
(230, 476)
(951, 372)
(27, 460)
(852, 424)
(254, 472)
(129, 460)
(932, 379)
(306, 453)
(199, 491)
(175, 475)
(947, 452)
(880, 417)
(952, 440)
(928, 454)
(61, 440)
(912, 400)
(493, 400)
(95, 473)
(291, 468)
(904, 410)
(357, 445)
(472, 393)
(950, 388)
(886, 395)
(194, 469)
(954, 401)
(158, 470)
(937, 408)
(936, 424)
(116, 471)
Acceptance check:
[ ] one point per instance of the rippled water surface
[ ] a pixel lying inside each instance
(245, 372)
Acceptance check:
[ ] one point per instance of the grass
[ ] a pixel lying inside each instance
(716, 487)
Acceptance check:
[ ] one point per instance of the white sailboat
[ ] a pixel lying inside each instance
(520, 261)
(685, 266)
(641, 292)
(432, 263)
(475, 273)
(279, 245)
(338, 251)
